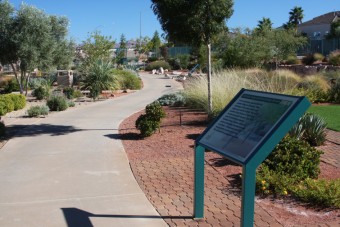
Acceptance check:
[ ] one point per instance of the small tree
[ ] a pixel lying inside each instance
(96, 47)
(194, 22)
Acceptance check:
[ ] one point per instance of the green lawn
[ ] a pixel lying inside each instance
(331, 114)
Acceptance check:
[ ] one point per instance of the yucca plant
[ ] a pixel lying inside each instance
(311, 128)
(99, 77)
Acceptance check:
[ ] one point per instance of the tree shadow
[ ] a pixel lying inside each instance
(41, 129)
(75, 217)
(44, 129)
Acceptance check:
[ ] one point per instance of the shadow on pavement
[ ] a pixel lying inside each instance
(44, 129)
(75, 217)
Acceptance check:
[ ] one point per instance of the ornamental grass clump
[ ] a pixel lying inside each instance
(226, 84)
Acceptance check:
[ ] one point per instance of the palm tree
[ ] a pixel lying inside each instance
(296, 15)
(264, 25)
(99, 77)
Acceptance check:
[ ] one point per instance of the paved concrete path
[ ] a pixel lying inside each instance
(70, 169)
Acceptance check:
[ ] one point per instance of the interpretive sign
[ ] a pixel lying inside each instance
(246, 132)
(245, 122)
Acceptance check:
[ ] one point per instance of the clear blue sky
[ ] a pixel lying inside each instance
(116, 17)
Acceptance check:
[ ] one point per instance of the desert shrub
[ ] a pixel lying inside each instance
(334, 92)
(2, 129)
(71, 103)
(41, 92)
(308, 59)
(36, 111)
(334, 57)
(183, 60)
(77, 94)
(291, 162)
(152, 59)
(149, 122)
(11, 86)
(318, 56)
(319, 192)
(34, 83)
(157, 65)
(8, 104)
(175, 99)
(315, 88)
(68, 92)
(310, 128)
(174, 63)
(57, 103)
(292, 60)
(19, 101)
(127, 80)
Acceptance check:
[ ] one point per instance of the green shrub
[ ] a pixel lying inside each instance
(57, 103)
(146, 125)
(77, 94)
(334, 57)
(36, 111)
(155, 111)
(12, 85)
(319, 192)
(308, 59)
(291, 162)
(175, 99)
(68, 92)
(149, 122)
(8, 103)
(3, 108)
(41, 92)
(19, 101)
(2, 129)
(334, 92)
(157, 65)
(310, 128)
(292, 60)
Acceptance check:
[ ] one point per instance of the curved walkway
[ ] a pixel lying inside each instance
(70, 170)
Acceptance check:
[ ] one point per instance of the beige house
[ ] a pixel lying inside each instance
(319, 27)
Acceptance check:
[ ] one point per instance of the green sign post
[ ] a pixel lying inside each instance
(246, 132)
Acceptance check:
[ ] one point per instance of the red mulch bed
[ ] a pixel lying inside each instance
(177, 141)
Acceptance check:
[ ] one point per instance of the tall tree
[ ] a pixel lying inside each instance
(122, 50)
(195, 23)
(155, 43)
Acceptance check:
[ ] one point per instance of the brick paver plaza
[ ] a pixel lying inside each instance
(168, 184)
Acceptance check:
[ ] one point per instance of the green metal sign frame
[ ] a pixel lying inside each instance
(292, 108)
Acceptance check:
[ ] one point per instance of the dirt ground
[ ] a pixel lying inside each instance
(175, 142)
